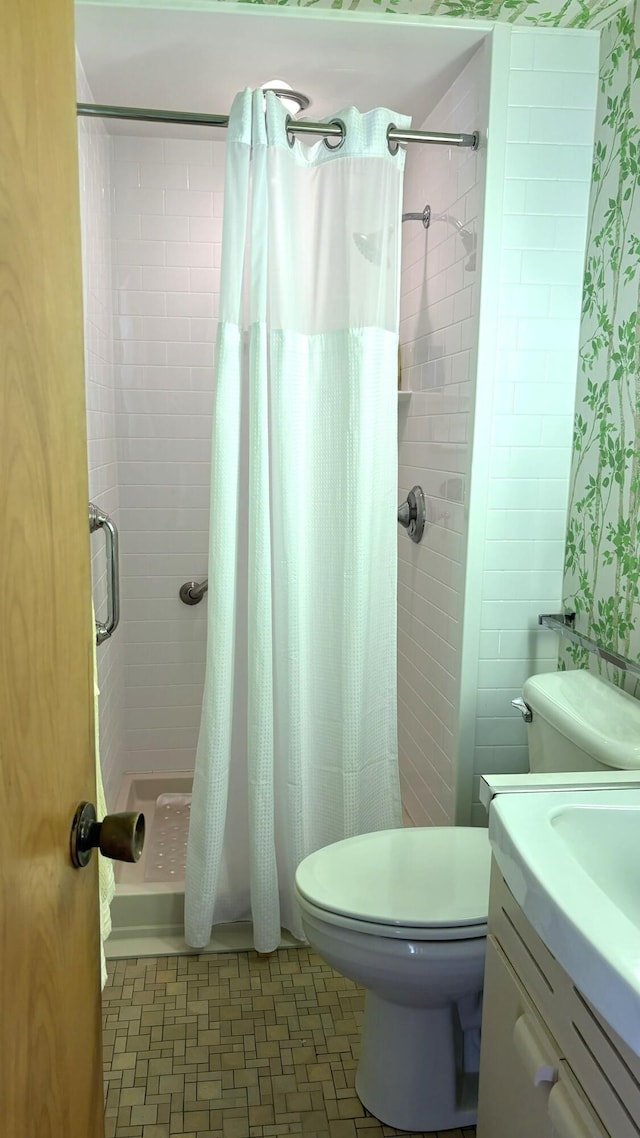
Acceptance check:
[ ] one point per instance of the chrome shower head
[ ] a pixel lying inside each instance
(370, 245)
(469, 240)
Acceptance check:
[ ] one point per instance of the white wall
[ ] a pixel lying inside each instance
(95, 211)
(167, 228)
(492, 454)
(438, 336)
(538, 177)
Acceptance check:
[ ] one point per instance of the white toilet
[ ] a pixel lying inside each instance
(404, 914)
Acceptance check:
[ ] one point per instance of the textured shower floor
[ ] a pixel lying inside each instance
(165, 801)
(147, 911)
(167, 852)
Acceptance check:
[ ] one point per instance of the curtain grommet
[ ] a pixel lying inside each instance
(336, 145)
(290, 139)
(391, 142)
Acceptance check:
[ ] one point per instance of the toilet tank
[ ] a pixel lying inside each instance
(581, 723)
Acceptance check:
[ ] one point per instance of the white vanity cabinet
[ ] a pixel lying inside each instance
(550, 1067)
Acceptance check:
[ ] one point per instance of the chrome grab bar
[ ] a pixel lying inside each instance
(98, 520)
(192, 592)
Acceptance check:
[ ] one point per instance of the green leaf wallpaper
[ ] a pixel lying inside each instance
(602, 559)
(546, 13)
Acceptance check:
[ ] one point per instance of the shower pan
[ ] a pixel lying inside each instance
(147, 911)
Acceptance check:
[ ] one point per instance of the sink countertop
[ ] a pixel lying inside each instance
(571, 858)
(494, 784)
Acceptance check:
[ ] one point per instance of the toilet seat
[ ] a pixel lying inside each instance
(410, 884)
(422, 933)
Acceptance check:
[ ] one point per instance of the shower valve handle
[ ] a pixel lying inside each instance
(412, 514)
(119, 836)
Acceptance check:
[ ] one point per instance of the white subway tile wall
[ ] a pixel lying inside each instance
(522, 450)
(95, 211)
(438, 336)
(167, 229)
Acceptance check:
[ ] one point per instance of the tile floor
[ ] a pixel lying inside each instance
(234, 1046)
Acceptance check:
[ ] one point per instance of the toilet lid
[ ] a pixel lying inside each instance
(413, 877)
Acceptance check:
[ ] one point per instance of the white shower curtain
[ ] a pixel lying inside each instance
(297, 743)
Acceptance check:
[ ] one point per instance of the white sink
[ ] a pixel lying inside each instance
(572, 861)
(605, 842)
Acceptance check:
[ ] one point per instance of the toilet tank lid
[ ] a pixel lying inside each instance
(598, 717)
(413, 877)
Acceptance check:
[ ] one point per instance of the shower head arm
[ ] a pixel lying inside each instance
(424, 216)
(466, 236)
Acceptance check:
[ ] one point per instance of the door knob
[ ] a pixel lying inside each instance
(118, 836)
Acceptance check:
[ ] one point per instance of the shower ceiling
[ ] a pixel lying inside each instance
(197, 58)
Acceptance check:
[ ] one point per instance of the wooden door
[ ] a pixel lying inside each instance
(50, 1044)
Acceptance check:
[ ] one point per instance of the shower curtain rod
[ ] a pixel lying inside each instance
(296, 126)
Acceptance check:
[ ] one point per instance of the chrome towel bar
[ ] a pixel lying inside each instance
(564, 623)
(98, 520)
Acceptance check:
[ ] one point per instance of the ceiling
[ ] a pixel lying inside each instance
(196, 60)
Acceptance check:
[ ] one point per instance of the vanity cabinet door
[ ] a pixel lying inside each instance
(519, 1061)
(571, 1115)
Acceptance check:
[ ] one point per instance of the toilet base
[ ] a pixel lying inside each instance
(409, 1075)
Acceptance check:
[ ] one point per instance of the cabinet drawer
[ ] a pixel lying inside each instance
(569, 1112)
(601, 1062)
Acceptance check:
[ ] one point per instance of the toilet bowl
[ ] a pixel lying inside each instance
(404, 914)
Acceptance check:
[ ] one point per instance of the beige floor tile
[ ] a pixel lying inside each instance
(235, 1046)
